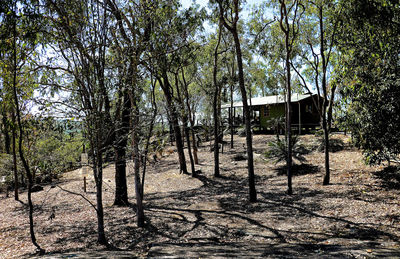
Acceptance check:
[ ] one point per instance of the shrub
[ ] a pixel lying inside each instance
(277, 150)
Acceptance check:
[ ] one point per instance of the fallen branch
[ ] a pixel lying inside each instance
(81, 195)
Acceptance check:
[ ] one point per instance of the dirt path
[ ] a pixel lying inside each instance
(356, 216)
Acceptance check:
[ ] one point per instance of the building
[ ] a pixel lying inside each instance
(305, 114)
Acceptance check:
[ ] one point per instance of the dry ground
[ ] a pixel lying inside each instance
(357, 215)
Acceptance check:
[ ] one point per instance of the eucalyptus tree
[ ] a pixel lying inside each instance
(217, 102)
(290, 14)
(173, 30)
(315, 63)
(275, 38)
(80, 34)
(188, 75)
(131, 37)
(230, 22)
(20, 23)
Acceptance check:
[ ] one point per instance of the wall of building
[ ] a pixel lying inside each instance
(275, 110)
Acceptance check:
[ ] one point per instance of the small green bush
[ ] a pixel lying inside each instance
(278, 151)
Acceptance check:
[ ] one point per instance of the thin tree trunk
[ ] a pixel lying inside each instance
(231, 116)
(217, 96)
(185, 117)
(98, 176)
(249, 141)
(196, 159)
(173, 118)
(286, 29)
(189, 146)
(20, 150)
(6, 132)
(324, 104)
(153, 119)
(14, 154)
(138, 186)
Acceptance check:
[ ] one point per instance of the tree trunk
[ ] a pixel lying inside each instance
(20, 150)
(189, 146)
(98, 176)
(286, 29)
(217, 96)
(246, 110)
(6, 131)
(138, 186)
(288, 123)
(189, 112)
(326, 138)
(232, 116)
(173, 118)
(185, 117)
(121, 193)
(324, 104)
(14, 154)
(121, 189)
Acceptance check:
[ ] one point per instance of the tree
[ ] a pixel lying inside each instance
(217, 102)
(231, 25)
(21, 21)
(81, 33)
(318, 42)
(369, 45)
(289, 11)
(169, 40)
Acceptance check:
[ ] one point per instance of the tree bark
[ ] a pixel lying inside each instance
(196, 159)
(185, 116)
(217, 96)
(98, 175)
(14, 154)
(121, 189)
(138, 186)
(21, 136)
(6, 131)
(173, 118)
(324, 103)
(249, 142)
(285, 26)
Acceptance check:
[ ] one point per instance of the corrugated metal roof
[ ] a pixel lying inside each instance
(273, 99)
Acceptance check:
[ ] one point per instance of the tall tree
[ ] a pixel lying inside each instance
(289, 19)
(169, 40)
(217, 102)
(21, 18)
(81, 34)
(318, 43)
(226, 7)
(131, 38)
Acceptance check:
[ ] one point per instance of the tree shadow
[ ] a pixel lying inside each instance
(298, 169)
(389, 178)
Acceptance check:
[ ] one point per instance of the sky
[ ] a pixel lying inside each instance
(203, 3)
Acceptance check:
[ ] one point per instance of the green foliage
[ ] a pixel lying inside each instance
(371, 47)
(278, 151)
(6, 170)
(55, 147)
(277, 124)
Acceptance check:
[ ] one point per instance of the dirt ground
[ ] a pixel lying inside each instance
(357, 216)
